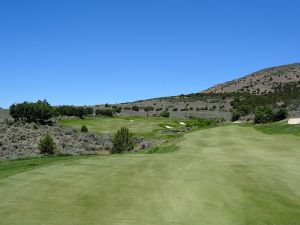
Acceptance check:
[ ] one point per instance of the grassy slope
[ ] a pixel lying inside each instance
(226, 175)
(281, 127)
(12, 167)
(148, 127)
(102, 125)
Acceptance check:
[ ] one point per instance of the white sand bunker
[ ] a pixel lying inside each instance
(238, 121)
(131, 120)
(294, 121)
(182, 123)
(168, 127)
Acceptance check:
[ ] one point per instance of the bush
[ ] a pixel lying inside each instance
(84, 129)
(280, 114)
(148, 108)
(122, 141)
(135, 108)
(263, 115)
(104, 112)
(118, 109)
(235, 116)
(47, 145)
(165, 114)
(35, 127)
(266, 114)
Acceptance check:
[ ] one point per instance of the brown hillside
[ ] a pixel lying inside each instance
(260, 82)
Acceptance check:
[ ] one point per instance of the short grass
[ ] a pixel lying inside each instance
(108, 125)
(12, 167)
(229, 175)
(153, 128)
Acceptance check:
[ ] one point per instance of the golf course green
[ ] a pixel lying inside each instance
(229, 175)
(107, 125)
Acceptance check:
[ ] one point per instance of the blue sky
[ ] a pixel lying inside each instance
(92, 52)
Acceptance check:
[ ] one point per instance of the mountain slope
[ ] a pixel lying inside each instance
(261, 82)
(4, 113)
(275, 87)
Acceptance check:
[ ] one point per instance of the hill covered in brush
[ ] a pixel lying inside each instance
(275, 88)
(261, 82)
(4, 113)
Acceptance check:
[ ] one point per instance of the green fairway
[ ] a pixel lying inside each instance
(229, 175)
(105, 125)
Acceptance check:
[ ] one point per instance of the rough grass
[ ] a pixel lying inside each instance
(228, 175)
(281, 127)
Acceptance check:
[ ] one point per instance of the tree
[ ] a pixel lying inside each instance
(105, 112)
(165, 114)
(267, 114)
(84, 129)
(39, 112)
(148, 108)
(235, 116)
(135, 108)
(47, 145)
(122, 141)
(280, 114)
(263, 115)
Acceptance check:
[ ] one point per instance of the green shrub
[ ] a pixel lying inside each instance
(118, 109)
(69, 110)
(135, 108)
(266, 114)
(148, 108)
(122, 141)
(235, 116)
(165, 114)
(47, 145)
(263, 115)
(280, 114)
(39, 112)
(84, 129)
(104, 112)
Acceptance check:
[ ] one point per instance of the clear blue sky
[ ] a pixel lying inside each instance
(91, 52)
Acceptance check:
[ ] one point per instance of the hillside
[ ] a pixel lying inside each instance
(4, 113)
(273, 86)
(261, 82)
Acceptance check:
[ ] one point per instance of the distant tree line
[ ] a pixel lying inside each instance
(39, 112)
(78, 111)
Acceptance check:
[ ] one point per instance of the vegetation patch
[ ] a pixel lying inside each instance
(13, 167)
(281, 127)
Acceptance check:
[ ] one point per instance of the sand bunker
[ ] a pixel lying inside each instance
(182, 123)
(168, 127)
(238, 121)
(294, 121)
